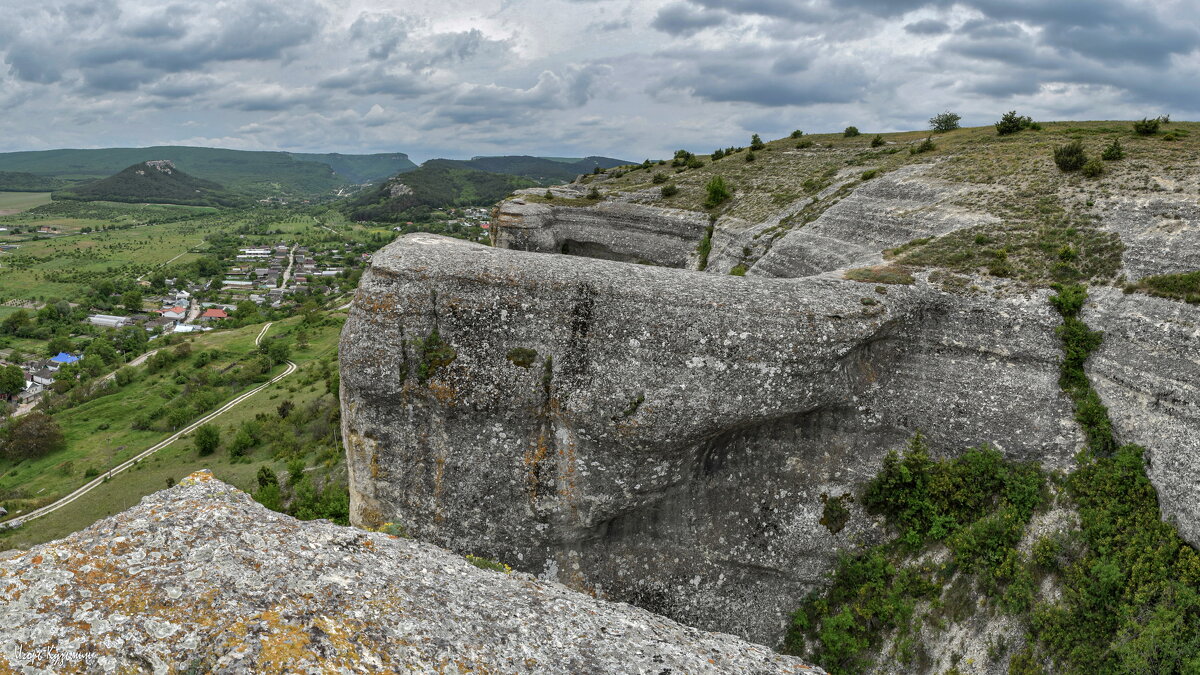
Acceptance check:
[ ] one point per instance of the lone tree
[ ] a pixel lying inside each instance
(850, 132)
(12, 380)
(206, 439)
(32, 436)
(756, 142)
(946, 121)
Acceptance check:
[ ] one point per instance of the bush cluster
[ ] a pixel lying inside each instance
(1070, 157)
(1010, 123)
(850, 132)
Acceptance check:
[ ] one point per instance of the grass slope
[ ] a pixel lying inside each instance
(17, 202)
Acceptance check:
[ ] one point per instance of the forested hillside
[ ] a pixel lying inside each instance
(157, 182)
(438, 183)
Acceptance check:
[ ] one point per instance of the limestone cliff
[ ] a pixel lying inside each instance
(200, 578)
(666, 437)
(671, 438)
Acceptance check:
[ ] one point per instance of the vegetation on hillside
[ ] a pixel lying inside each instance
(19, 181)
(543, 170)
(158, 184)
(438, 183)
(253, 173)
(1123, 586)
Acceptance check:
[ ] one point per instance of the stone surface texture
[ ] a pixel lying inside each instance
(200, 578)
(670, 437)
(607, 230)
(1147, 371)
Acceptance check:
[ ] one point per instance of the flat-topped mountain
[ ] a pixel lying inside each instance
(156, 182)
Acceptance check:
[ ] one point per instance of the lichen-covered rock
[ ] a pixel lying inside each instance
(200, 578)
(666, 437)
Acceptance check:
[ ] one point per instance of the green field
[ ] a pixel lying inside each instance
(16, 202)
(99, 436)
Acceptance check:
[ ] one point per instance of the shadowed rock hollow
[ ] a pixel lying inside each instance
(200, 578)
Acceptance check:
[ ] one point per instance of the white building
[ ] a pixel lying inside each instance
(108, 321)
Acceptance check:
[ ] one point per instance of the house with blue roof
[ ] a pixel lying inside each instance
(64, 358)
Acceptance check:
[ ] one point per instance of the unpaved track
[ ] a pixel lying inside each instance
(51, 508)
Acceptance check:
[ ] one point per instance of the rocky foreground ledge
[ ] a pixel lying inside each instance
(200, 578)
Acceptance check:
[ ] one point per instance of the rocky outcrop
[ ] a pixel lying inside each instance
(664, 437)
(608, 230)
(1147, 371)
(200, 578)
(1161, 234)
(884, 212)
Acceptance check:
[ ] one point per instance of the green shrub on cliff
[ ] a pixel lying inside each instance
(718, 192)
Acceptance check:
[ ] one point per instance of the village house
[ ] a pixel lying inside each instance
(177, 312)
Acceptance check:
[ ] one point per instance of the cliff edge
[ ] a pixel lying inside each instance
(200, 578)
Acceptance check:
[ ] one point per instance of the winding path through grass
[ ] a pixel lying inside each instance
(130, 463)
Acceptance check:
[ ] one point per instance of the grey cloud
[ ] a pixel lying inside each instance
(759, 76)
(927, 27)
(571, 88)
(383, 33)
(683, 18)
(378, 80)
(113, 57)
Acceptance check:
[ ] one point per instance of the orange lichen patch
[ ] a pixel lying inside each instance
(443, 392)
(201, 476)
(283, 645)
(36, 560)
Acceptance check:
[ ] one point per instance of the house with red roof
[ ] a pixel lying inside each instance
(213, 314)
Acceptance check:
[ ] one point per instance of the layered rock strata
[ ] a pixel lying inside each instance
(665, 437)
(608, 230)
(200, 578)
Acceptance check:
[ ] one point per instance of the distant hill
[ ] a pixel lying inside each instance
(19, 181)
(361, 168)
(253, 173)
(544, 170)
(155, 182)
(437, 183)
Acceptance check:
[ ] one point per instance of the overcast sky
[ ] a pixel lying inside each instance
(625, 78)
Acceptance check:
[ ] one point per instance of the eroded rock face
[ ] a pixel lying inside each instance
(1161, 234)
(1147, 371)
(608, 230)
(200, 578)
(665, 437)
(884, 212)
